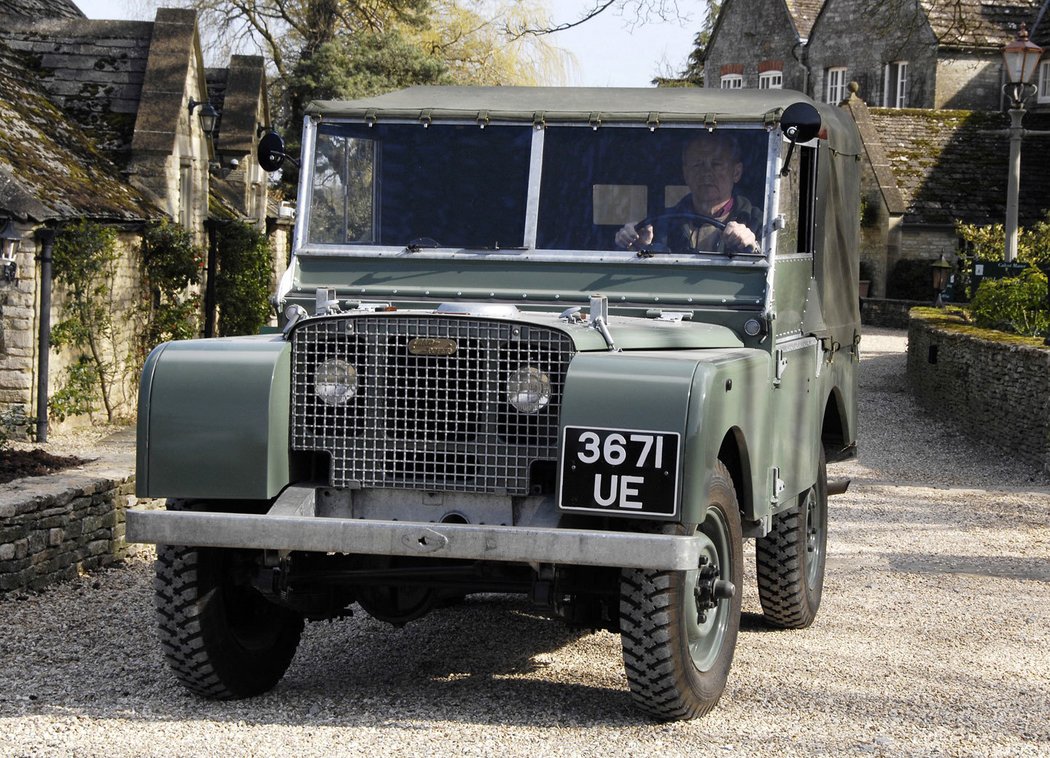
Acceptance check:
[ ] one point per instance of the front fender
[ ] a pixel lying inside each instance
(702, 395)
(213, 419)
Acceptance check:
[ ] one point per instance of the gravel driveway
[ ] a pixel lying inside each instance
(932, 640)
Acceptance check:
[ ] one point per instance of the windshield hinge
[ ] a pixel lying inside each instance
(600, 319)
(483, 119)
(539, 119)
(710, 122)
(653, 121)
(371, 117)
(595, 120)
(425, 118)
(781, 367)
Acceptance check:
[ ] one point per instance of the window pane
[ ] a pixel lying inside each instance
(1044, 81)
(394, 184)
(733, 81)
(595, 181)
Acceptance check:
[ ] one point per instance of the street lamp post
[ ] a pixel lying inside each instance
(1020, 60)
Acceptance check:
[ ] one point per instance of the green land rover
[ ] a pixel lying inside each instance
(577, 344)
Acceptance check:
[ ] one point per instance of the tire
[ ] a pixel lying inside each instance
(791, 558)
(222, 639)
(676, 664)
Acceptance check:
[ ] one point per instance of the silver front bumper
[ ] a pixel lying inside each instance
(462, 541)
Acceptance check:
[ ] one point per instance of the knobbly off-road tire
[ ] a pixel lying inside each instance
(791, 558)
(677, 666)
(223, 640)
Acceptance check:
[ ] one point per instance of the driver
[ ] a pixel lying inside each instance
(711, 166)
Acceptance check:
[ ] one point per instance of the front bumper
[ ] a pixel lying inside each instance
(295, 529)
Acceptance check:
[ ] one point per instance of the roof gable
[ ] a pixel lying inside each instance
(804, 13)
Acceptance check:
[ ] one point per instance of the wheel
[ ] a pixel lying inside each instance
(222, 638)
(678, 628)
(791, 558)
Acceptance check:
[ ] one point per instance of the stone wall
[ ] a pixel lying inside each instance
(996, 391)
(891, 314)
(52, 528)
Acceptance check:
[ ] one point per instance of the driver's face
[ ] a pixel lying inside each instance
(711, 173)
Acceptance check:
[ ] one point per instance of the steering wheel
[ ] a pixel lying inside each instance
(700, 218)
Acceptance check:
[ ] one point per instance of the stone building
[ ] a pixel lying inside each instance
(760, 44)
(100, 120)
(923, 78)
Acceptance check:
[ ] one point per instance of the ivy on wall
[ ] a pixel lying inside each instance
(84, 259)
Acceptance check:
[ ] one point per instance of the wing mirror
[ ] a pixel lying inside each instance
(271, 152)
(800, 122)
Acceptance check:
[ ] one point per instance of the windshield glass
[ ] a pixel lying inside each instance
(668, 190)
(683, 184)
(405, 185)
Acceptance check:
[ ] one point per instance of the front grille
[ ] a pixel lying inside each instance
(433, 422)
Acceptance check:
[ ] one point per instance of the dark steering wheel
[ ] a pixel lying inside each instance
(700, 218)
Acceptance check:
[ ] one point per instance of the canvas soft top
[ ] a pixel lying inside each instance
(595, 105)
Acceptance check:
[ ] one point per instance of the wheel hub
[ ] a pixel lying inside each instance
(710, 589)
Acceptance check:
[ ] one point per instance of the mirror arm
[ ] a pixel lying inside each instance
(792, 134)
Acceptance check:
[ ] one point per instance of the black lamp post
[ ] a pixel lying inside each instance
(1020, 60)
(10, 240)
(940, 271)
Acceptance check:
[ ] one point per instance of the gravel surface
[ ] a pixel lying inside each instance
(932, 640)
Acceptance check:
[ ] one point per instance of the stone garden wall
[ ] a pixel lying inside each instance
(892, 314)
(996, 391)
(52, 528)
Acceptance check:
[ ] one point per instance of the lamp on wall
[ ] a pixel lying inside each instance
(209, 116)
(10, 240)
(1020, 61)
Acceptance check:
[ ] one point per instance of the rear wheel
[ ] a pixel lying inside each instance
(679, 628)
(791, 558)
(221, 637)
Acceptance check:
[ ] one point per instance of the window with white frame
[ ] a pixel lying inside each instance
(836, 85)
(732, 81)
(771, 80)
(1044, 82)
(895, 85)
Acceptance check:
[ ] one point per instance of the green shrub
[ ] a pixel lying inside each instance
(1016, 304)
(242, 285)
(910, 280)
(172, 267)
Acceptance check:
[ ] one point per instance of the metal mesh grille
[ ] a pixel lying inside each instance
(436, 422)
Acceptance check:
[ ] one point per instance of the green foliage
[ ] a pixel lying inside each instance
(171, 264)
(84, 260)
(910, 280)
(79, 390)
(1017, 304)
(694, 67)
(242, 284)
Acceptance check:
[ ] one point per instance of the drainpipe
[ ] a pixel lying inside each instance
(46, 238)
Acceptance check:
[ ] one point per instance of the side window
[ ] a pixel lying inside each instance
(795, 202)
(341, 207)
(836, 85)
(895, 89)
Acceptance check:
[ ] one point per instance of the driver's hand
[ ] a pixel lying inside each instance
(739, 237)
(629, 236)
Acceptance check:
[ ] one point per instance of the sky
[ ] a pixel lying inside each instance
(609, 50)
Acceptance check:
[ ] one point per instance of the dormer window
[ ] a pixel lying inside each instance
(733, 81)
(771, 80)
(1044, 82)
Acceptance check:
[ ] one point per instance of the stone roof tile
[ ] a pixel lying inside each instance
(40, 9)
(804, 13)
(49, 168)
(952, 165)
(979, 23)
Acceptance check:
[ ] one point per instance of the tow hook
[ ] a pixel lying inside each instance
(710, 589)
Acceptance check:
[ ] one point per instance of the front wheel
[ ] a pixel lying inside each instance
(221, 637)
(679, 628)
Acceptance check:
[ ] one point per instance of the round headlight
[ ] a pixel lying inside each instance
(528, 390)
(335, 381)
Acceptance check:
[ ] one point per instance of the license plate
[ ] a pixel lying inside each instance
(621, 471)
